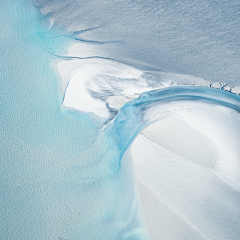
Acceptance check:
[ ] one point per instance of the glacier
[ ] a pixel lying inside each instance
(119, 120)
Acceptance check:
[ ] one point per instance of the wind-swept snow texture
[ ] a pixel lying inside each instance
(194, 37)
(100, 136)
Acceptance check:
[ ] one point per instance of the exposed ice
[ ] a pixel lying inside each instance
(133, 113)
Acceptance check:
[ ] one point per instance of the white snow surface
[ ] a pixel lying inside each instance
(170, 158)
(187, 162)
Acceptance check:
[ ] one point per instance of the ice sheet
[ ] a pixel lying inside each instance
(98, 95)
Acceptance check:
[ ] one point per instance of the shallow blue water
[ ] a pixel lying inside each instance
(61, 178)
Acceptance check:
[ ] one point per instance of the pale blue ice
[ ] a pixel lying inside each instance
(60, 176)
